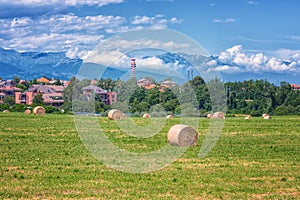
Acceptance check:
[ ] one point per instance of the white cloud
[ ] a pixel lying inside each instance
(174, 20)
(286, 53)
(155, 22)
(228, 68)
(228, 20)
(211, 3)
(235, 59)
(57, 32)
(115, 51)
(217, 21)
(36, 3)
(212, 63)
(143, 20)
(256, 3)
(151, 62)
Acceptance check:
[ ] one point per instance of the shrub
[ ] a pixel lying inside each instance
(51, 109)
(18, 108)
(4, 107)
(284, 110)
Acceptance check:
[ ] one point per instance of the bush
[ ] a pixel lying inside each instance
(297, 110)
(284, 110)
(18, 108)
(51, 109)
(4, 107)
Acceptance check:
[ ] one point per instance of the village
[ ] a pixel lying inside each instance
(51, 91)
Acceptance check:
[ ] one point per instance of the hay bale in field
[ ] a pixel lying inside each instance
(170, 117)
(182, 135)
(268, 117)
(6, 111)
(39, 110)
(264, 115)
(218, 115)
(248, 117)
(115, 114)
(27, 112)
(209, 116)
(146, 115)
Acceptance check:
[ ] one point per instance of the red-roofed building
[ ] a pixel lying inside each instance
(107, 97)
(52, 95)
(8, 91)
(295, 86)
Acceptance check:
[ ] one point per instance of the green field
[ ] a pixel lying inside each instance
(44, 158)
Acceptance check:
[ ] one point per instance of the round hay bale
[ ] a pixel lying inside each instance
(209, 116)
(6, 111)
(39, 110)
(115, 114)
(146, 115)
(170, 117)
(27, 112)
(182, 135)
(218, 115)
(264, 115)
(248, 117)
(268, 117)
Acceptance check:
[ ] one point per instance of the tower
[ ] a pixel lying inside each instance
(133, 66)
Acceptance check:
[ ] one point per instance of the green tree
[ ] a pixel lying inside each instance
(16, 79)
(126, 89)
(72, 91)
(107, 84)
(58, 82)
(21, 86)
(38, 100)
(9, 100)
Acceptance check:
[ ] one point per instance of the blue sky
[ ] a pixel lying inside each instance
(247, 35)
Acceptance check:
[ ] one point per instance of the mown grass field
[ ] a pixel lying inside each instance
(44, 158)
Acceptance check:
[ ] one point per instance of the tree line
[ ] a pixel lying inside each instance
(253, 97)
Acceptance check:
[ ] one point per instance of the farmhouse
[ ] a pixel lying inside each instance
(107, 97)
(51, 94)
(7, 89)
(168, 84)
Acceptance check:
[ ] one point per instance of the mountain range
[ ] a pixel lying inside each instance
(30, 65)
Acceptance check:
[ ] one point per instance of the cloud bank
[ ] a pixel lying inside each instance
(68, 32)
(235, 59)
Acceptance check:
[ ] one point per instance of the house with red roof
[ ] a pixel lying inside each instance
(52, 95)
(107, 97)
(295, 86)
(7, 89)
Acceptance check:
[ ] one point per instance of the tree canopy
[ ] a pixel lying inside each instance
(253, 97)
